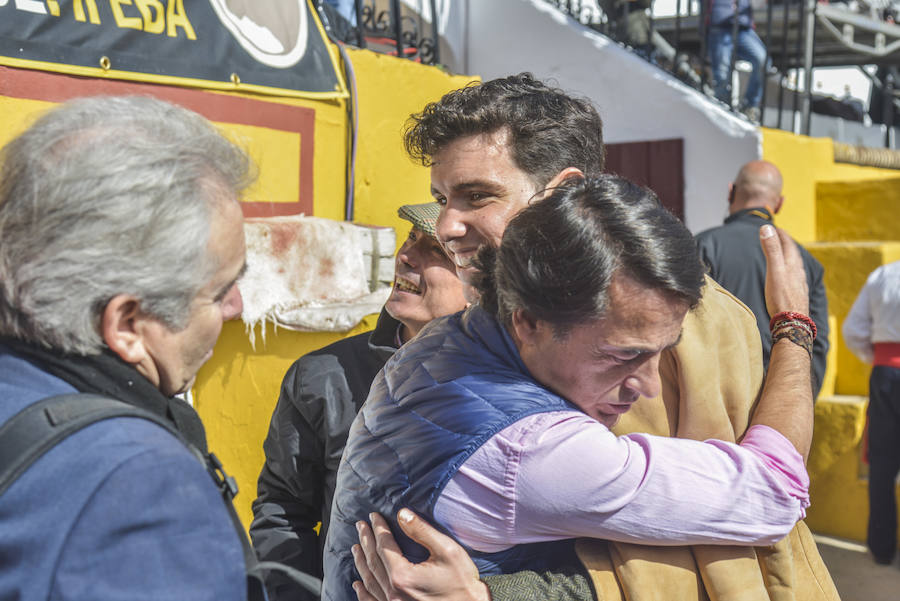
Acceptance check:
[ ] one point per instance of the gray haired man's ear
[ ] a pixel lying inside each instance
(120, 329)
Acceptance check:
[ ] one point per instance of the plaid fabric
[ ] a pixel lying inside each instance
(423, 216)
(567, 582)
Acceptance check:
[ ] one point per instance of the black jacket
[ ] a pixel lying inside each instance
(736, 260)
(320, 395)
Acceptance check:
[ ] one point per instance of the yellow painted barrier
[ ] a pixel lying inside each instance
(858, 210)
(845, 215)
(838, 494)
(236, 392)
(805, 162)
(829, 380)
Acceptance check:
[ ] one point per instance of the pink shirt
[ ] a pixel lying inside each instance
(562, 475)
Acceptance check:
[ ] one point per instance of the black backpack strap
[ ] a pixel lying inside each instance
(228, 488)
(40, 426)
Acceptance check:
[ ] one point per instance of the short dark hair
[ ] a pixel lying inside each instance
(558, 256)
(548, 129)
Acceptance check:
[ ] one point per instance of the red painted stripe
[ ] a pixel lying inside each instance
(57, 87)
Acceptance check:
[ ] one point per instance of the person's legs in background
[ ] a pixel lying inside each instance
(751, 49)
(884, 461)
(719, 40)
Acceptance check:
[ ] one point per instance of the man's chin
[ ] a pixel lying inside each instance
(467, 274)
(182, 389)
(470, 293)
(608, 419)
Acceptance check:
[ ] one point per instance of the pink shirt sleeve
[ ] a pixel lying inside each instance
(562, 475)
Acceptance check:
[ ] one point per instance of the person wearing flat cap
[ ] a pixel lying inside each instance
(321, 394)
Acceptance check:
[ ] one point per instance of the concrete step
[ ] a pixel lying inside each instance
(838, 492)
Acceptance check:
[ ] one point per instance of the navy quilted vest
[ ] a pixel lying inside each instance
(435, 403)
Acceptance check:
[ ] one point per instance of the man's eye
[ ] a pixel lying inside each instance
(476, 196)
(617, 359)
(440, 200)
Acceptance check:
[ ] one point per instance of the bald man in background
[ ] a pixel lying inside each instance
(736, 261)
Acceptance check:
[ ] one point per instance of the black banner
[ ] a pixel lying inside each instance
(228, 43)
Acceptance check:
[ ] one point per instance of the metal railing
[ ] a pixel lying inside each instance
(387, 26)
(798, 36)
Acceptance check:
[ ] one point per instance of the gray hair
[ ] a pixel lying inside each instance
(106, 196)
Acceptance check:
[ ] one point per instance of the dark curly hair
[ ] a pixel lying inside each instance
(548, 129)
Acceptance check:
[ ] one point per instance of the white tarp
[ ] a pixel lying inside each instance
(313, 274)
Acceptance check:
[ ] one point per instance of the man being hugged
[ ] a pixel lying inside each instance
(494, 423)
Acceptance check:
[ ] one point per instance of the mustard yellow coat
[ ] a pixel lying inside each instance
(710, 385)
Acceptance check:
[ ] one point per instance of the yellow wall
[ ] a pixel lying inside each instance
(829, 380)
(845, 215)
(275, 152)
(390, 90)
(236, 391)
(839, 497)
(840, 204)
(16, 114)
(830, 207)
(805, 162)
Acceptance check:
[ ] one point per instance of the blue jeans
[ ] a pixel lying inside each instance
(749, 48)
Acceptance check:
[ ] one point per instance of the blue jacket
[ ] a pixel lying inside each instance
(441, 396)
(118, 510)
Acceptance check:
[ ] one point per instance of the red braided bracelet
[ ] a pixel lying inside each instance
(792, 315)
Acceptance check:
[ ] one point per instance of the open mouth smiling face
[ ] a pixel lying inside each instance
(480, 188)
(425, 283)
(403, 285)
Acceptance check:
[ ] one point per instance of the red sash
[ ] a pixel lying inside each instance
(887, 354)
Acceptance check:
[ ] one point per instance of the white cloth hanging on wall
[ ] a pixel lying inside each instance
(313, 274)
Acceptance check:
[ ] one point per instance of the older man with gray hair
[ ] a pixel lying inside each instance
(122, 241)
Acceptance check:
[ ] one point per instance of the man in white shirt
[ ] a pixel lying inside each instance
(872, 332)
